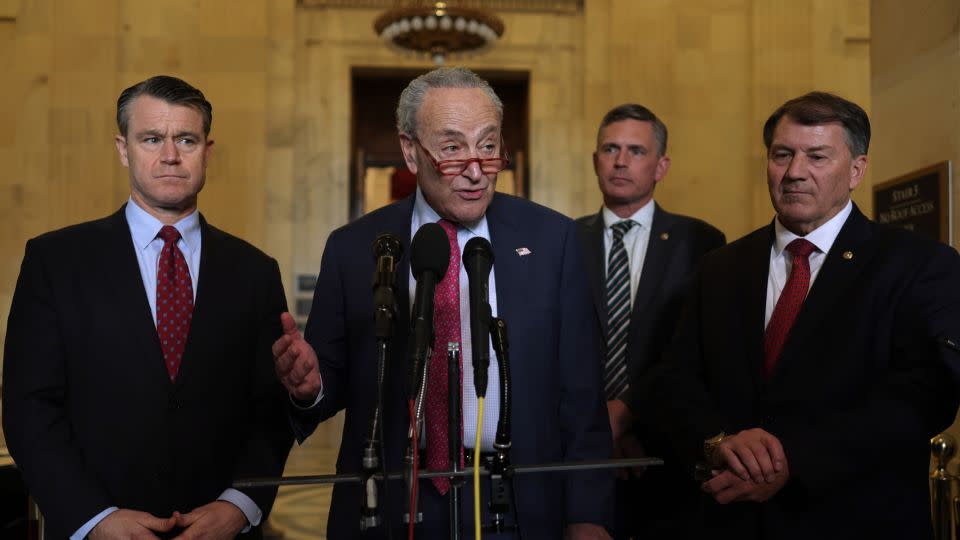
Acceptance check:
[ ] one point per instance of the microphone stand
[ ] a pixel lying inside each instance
(416, 423)
(453, 441)
(371, 459)
(501, 477)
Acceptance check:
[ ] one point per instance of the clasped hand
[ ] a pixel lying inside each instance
(748, 466)
(216, 520)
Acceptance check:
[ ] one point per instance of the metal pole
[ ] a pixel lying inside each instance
(942, 447)
(453, 431)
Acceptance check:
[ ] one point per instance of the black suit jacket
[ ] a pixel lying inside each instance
(676, 246)
(89, 413)
(558, 411)
(862, 384)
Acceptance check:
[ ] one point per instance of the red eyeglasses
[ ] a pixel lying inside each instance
(455, 167)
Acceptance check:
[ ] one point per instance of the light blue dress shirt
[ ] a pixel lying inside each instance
(144, 229)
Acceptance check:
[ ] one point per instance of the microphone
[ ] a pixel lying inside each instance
(478, 260)
(429, 259)
(387, 251)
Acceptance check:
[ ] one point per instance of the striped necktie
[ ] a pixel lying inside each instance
(618, 312)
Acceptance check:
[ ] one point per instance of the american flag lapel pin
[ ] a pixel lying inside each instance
(521, 251)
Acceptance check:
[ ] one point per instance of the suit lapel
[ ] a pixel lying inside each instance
(593, 240)
(131, 309)
(848, 256)
(752, 290)
(504, 237)
(208, 295)
(660, 249)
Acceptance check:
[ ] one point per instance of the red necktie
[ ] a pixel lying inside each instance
(791, 299)
(174, 301)
(446, 323)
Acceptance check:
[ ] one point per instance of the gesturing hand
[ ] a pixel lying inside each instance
(295, 362)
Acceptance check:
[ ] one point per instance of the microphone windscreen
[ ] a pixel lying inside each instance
(429, 251)
(477, 247)
(387, 245)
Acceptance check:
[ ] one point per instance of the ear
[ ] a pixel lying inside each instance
(663, 165)
(121, 143)
(207, 149)
(858, 168)
(409, 149)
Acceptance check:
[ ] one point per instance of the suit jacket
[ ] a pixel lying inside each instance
(90, 415)
(558, 411)
(677, 244)
(861, 385)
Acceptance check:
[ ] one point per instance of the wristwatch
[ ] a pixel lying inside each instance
(710, 448)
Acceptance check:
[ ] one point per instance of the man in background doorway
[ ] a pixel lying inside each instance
(640, 260)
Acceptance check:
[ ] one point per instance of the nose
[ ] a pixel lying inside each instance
(169, 152)
(473, 171)
(620, 159)
(795, 169)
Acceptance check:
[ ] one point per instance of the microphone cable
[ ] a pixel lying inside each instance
(476, 471)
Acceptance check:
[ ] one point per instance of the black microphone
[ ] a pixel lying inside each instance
(478, 260)
(429, 259)
(387, 251)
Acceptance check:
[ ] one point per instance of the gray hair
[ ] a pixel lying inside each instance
(446, 77)
(634, 111)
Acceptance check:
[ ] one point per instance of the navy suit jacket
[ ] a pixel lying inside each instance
(659, 501)
(863, 382)
(89, 412)
(554, 338)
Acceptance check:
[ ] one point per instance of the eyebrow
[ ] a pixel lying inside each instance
(459, 134)
(158, 133)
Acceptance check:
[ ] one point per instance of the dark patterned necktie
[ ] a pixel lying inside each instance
(618, 313)
(446, 322)
(791, 299)
(174, 301)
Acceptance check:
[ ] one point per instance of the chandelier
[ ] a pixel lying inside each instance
(438, 30)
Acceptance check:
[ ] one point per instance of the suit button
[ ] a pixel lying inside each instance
(173, 404)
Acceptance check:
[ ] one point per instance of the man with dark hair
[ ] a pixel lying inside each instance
(449, 123)
(812, 361)
(138, 381)
(640, 259)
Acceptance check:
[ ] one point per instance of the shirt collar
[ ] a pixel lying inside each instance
(144, 228)
(643, 216)
(424, 213)
(822, 237)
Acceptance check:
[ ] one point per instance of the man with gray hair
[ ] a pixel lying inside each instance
(640, 260)
(449, 123)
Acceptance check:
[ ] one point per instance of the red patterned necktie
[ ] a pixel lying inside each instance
(174, 301)
(791, 299)
(446, 322)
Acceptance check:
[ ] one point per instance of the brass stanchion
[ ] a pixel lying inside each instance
(942, 498)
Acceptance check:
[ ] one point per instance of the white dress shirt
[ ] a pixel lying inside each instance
(635, 241)
(781, 261)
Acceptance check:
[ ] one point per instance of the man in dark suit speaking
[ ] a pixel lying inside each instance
(449, 122)
(640, 260)
(138, 382)
(812, 363)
